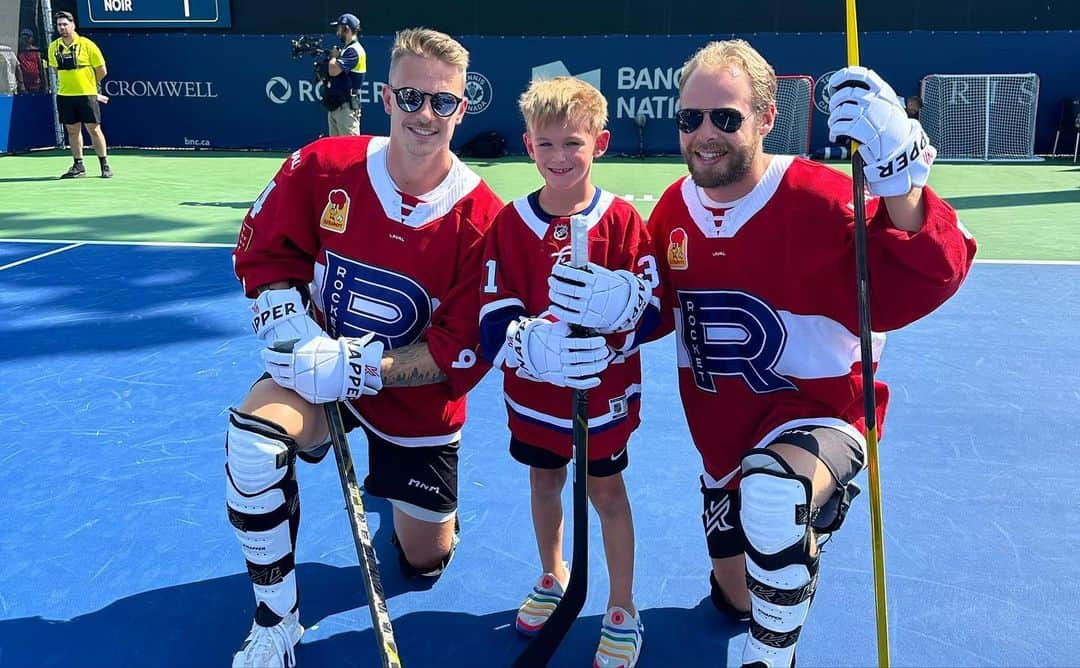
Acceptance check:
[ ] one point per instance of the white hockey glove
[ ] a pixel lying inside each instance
(897, 152)
(544, 351)
(597, 297)
(279, 315)
(322, 369)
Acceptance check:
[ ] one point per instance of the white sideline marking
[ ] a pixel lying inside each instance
(201, 244)
(39, 256)
(1072, 263)
(82, 242)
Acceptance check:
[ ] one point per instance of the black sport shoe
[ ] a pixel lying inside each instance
(74, 172)
(106, 172)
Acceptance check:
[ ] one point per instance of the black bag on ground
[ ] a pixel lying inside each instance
(488, 144)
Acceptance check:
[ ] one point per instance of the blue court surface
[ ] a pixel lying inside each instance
(117, 363)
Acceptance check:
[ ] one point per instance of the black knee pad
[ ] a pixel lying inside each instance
(721, 602)
(315, 455)
(720, 519)
(411, 572)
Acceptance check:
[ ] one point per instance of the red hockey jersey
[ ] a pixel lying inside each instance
(761, 295)
(377, 261)
(521, 247)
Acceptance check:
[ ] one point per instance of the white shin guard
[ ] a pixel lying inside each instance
(263, 502)
(781, 575)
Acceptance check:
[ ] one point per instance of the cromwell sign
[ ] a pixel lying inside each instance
(145, 88)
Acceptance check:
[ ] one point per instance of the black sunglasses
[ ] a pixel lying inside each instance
(725, 120)
(410, 99)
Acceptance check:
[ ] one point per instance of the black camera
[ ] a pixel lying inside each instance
(312, 45)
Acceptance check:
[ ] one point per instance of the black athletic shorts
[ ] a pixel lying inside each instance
(424, 477)
(541, 458)
(74, 109)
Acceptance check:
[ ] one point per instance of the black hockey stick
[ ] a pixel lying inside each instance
(862, 268)
(365, 551)
(542, 647)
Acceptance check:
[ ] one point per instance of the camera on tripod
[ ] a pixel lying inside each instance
(312, 45)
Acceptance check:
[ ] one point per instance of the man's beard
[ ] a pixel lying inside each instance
(734, 166)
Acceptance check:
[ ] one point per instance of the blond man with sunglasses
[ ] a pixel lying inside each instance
(756, 259)
(381, 238)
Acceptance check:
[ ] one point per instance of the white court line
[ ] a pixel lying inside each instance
(1072, 263)
(83, 242)
(39, 256)
(202, 244)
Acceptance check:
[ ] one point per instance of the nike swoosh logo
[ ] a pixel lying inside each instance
(618, 454)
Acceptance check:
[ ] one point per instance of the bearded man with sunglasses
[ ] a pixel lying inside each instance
(756, 256)
(382, 238)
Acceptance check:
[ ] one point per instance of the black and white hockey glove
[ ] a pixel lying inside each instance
(897, 152)
(597, 297)
(323, 369)
(545, 351)
(280, 315)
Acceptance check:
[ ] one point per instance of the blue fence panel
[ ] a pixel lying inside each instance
(245, 91)
(6, 104)
(32, 123)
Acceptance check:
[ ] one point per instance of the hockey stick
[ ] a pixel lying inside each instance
(541, 648)
(365, 551)
(362, 537)
(877, 530)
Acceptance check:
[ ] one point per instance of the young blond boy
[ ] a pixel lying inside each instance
(521, 333)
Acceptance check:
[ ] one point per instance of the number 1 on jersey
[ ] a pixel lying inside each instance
(489, 278)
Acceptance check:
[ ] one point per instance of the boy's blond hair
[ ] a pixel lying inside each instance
(739, 53)
(428, 43)
(563, 100)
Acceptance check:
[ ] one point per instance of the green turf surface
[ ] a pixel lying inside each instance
(1029, 211)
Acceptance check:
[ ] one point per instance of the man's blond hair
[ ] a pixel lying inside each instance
(428, 43)
(737, 53)
(563, 100)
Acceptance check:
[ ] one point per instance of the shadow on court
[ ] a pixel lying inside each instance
(203, 623)
(1015, 199)
(228, 205)
(105, 299)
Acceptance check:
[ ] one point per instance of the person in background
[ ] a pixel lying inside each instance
(347, 66)
(31, 66)
(913, 105)
(80, 67)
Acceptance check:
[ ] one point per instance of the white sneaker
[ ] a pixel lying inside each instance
(539, 604)
(621, 635)
(270, 646)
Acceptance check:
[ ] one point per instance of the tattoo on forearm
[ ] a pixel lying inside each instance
(411, 366)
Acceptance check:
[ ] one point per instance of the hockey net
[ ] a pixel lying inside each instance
(981, 116)
(794, 108)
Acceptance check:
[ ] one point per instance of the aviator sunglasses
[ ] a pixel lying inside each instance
(725, 120)
(410, 99)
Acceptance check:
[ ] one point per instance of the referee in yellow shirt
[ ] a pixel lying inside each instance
(79, 67)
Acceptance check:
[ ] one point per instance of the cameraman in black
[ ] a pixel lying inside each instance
(346, 67)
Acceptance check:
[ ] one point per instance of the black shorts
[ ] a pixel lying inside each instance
(74, 109)
(537, 457)
(424, 479)
(837, 450)
(842, 455)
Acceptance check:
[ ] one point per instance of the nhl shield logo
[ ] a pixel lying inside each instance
(336, 213)
(676, 250)
(561, 231)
